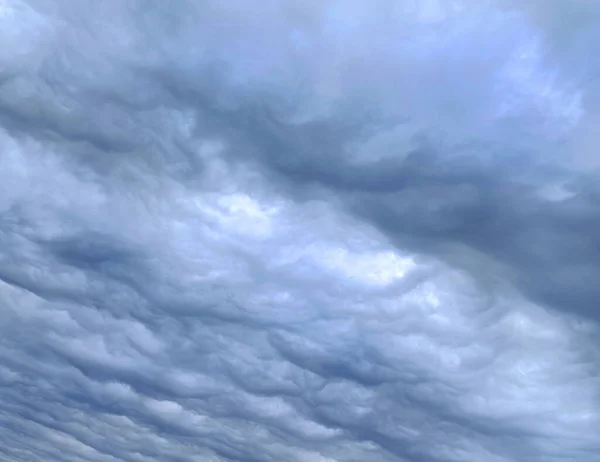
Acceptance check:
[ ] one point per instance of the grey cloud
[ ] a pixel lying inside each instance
(317, 232)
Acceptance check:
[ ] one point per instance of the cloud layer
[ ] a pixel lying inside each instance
(302, 231)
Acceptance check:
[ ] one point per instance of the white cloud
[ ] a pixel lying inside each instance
(210, 247)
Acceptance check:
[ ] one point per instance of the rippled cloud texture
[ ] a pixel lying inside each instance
(299, 231)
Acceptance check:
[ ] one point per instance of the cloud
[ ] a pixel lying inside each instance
(312, 231)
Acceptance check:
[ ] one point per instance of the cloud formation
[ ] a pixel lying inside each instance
(306, 231)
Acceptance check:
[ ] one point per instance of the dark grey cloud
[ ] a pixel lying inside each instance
(312, 231)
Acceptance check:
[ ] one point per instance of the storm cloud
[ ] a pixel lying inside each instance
(299, 231)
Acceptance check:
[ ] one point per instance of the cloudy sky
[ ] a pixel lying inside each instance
(299, 231)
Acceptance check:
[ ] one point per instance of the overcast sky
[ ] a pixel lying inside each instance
(299, 231)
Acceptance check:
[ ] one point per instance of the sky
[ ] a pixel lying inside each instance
(300, 231)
